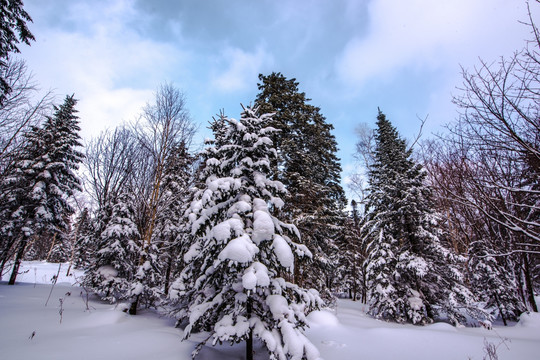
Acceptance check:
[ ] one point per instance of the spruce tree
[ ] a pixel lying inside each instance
(61, 248)
(42, 181)
(13, 30)
(169, 236)
(352, 256)
(84, 243)
(412, 277)
(493, 282)
(308, 167)
(146, 284)
(241, 254)
(112, 269)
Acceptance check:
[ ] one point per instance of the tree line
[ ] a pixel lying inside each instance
(245, 237)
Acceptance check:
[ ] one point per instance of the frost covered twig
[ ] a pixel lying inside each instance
(55, 279)
(490, 349)
(85, 297)
(61, 310)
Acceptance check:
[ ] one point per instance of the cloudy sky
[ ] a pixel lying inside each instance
(349, 56)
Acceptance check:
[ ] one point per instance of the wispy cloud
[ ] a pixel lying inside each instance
(427, 34)
(103, 59)
(242, 69)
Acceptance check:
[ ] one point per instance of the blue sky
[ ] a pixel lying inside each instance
(349, 56)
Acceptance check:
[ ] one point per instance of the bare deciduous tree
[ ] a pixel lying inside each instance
(109, 165)
(487, 169)
(21, 109)
(164, 125)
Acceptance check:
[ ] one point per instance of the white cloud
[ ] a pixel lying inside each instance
(432, 34)
(242, 69)
(112, 70)
(107, 109)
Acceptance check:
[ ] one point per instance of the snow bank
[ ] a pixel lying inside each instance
(440, 326)
(31, 330)
(43, 272)
(323, 318)
(529, 320)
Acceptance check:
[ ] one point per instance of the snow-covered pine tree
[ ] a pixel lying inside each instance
(146, 284)
(308, 167)
(83, 238)
(42, 181)
(412, 277)
(13, 30)
(169, 235)
(61, 248)
(241, 254)
(352, 256)
(493, 283)
(220, 127)
(113, 266)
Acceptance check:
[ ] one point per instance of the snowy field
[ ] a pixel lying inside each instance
(69, 327)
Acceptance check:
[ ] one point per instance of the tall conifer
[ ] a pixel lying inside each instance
(114, 263)
(241, 254)
(310, 170)
(412, 277)
(36, 193)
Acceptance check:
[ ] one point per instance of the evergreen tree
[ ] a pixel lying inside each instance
(308, 167)
(84, 243)
(115, 271)
(169, 227)
(60, 249)
(35, 200)
(13, 30)
(240, 254)
(493, 282)
(146, 285)
(412, 277)
(352, 257)
(113, 266)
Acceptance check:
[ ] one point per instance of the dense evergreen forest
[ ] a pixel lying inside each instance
(245, 237)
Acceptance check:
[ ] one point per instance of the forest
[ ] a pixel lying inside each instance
(247, 236)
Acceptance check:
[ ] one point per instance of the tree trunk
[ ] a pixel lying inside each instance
(500, 309)
(134, 305)
(5, 254)
(521, 287)
(69, 267)
(249, 345)
(18, 259)
(2, 264)
(353, 289)
(528, 283)
(364, 286)
(249, 340)
(52, 247)
(168, 275)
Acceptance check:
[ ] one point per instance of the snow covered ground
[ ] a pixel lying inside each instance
(73, 330)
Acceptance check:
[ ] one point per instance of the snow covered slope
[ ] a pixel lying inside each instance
(31, 330)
